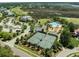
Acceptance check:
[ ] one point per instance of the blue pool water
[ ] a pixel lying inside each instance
(55, 24)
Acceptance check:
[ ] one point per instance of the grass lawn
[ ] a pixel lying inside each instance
(76, 54)
(6, 36)
(18, 11)
(43, 21)
(73, 20)
(27, 50)
(0, 14)
(17, 18)
(74, 42)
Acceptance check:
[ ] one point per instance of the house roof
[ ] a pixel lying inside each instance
(25, 18)
(43, 40)
(76, 31)
(55, 24)
(38, 28)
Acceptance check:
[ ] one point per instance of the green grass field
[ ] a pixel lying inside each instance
(43, 21)
(17, 18)
(0, 14)
(18, 11)
(73, 20)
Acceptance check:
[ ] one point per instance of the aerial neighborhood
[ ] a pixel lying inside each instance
(31, 33)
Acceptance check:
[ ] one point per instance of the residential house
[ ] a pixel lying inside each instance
(38, 29)
(2, 9)
(76, 32)
(25, 18)
(8, 13)
(9, 25)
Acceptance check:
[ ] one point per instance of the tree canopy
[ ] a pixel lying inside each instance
(5, 52)
(73, 43)
(6, 35)
(65, 36)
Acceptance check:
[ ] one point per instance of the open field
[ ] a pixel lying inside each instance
(73, 20)
(0, 14)
(43, 21)
(18, 11)
(51, 12)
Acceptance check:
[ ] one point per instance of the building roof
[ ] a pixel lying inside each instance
(25, 18)
(55, 24)
(53, 33)
(38, 28)
(43, 40)
(76, 31)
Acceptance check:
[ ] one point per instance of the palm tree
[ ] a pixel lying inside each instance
(17, 41)
(1, 28)
(46, 53)
(10, 31)
(71, 27)
(24, 42)
(21, 38)
(28, 44)
(14, 34)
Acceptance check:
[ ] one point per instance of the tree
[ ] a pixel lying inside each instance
(56, 18)
(65, 36)
(44, 52)
(10, 31)
(17, 32)
(64, 21)
(73, 43)
(24, 42)
(5, 52)
(47, 52)
(21, 38)
(71, 27)
(6, 35)
(22, 31)
(1, 28)
(57, 46)
(17, 41)
(24, 26)
(14, 34)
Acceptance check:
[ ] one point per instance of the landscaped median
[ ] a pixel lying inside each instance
(30, 52)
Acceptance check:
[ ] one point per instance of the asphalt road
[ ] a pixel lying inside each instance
(16, 51)
(19, 52)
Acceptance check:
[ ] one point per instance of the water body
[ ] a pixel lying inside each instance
(75, 5)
